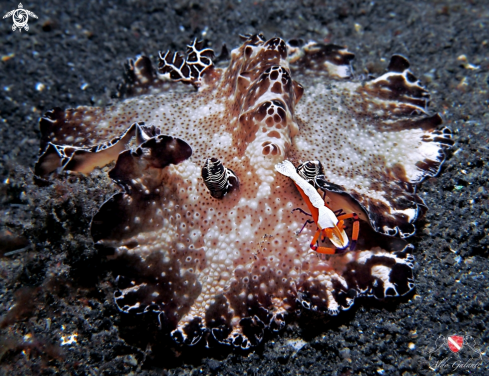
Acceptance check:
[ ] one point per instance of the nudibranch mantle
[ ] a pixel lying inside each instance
(203, 222)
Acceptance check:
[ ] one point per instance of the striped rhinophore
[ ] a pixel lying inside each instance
(219, 179)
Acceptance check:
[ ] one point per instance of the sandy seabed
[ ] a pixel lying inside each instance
(73, 54)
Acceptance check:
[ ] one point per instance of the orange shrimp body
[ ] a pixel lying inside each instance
(329, 225)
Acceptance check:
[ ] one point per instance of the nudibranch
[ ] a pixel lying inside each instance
(203, 220)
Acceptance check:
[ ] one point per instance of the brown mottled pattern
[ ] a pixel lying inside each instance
(227, 268)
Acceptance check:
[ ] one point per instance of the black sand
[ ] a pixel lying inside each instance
(73, 55)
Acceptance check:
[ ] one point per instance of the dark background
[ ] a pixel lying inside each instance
(56, 284)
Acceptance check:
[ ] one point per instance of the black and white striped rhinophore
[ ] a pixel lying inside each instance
(313, 173)
(219, 179)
